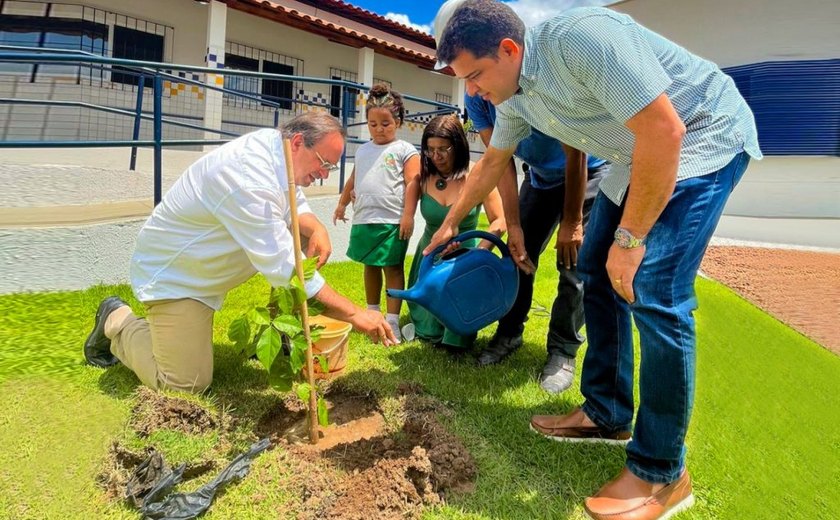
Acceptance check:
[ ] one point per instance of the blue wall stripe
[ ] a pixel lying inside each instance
(796, 104)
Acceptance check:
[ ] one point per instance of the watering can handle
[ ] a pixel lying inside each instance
(430, 258)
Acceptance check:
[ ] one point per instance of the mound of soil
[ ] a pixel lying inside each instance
(155, 411)
(121, 462)
(378, 459)
(368, 466)
(116, 471)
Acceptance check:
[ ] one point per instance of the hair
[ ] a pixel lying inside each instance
(446, 127)
(313, 126)
(479, 26)
(382, 96)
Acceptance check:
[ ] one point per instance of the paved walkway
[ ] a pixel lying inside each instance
(56, 233)
(58, 195)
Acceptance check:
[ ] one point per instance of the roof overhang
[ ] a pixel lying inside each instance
(332, 31)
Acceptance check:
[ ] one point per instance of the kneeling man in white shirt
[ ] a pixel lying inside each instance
(225, 219)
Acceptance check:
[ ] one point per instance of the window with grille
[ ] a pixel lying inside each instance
(83, 28)
(336, 103)
(131, 44)
(443, 98)
(269, 91)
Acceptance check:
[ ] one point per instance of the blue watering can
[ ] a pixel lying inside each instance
(467, 289)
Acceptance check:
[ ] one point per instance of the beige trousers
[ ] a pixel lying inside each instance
(172, 348)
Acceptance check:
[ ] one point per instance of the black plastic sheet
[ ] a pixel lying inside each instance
(152, 480)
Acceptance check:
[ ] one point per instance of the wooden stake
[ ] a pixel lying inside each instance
(304, 310)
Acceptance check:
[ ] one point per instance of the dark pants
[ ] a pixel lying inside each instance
(540, 212)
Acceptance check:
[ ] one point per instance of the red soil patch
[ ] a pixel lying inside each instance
(799, 288)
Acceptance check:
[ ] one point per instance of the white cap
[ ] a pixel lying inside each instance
(441, 20)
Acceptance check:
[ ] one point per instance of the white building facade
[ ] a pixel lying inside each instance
(327, 39)
(785, 58)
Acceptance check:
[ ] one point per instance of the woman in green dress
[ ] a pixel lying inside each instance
(444, 168)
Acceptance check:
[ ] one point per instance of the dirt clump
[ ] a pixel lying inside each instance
(365, 467)
(117, 469)
(391, 488)
(155, 411)
(121, 462)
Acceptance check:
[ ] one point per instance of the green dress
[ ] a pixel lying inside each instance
(426, 326)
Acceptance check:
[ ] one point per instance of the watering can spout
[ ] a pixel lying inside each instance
(410, 294)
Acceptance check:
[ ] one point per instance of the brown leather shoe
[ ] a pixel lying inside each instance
(575, 427)
(630, 498)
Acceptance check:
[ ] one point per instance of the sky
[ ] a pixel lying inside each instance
(420, 14)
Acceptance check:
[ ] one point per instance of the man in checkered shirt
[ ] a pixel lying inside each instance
(679, 137)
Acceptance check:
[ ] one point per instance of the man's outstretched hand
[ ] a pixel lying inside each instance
(374, 325)
(516, 244)
(441, 236)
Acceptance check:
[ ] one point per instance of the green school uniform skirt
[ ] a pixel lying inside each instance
(377, 244)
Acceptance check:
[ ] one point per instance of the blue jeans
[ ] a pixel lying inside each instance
(663, 312)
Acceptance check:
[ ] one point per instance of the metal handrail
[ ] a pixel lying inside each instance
(159, 71)
(149, 66)
(110, 110)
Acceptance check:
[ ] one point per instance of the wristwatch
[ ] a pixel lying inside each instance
(626, 240)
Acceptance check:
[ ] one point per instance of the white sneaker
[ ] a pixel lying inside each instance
(558, 374)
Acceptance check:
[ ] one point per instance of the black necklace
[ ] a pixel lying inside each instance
(440, 184)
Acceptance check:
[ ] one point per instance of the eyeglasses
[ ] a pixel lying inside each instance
(443, 152)
(326, 165)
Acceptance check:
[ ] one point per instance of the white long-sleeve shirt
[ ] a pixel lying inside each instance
(225, 219)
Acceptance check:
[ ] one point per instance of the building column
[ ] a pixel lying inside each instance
(459, 87)
(364, 75)
(214, 59)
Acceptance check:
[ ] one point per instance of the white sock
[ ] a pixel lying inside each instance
(373, 307)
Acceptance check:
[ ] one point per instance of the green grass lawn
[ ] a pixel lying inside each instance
(764, 440)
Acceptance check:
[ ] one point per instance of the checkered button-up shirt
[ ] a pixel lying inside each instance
(587, 71)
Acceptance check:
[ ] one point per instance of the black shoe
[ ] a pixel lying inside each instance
(97, 345)
(498, 349)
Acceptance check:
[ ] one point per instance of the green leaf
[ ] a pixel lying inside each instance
(240, 331)
(284, 300)
(303, 392)
(251, 348)
(268, 347)
(288, 325)
(299, 342)
(281, 377)
(315, 307)
(309, 267)
(323, 416)
(298, 292)
(259, 316)
(315, 334)
(325, 366)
